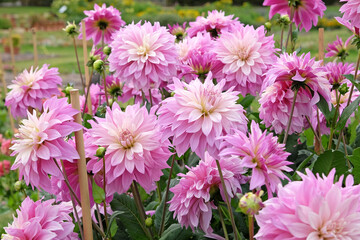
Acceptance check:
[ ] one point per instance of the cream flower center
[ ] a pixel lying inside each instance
(209, 100)
(243, 54)
(126, 139)
(332, 231)
(142, 50)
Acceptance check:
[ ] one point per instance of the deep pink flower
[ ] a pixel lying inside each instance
(143, 56)
(314, 208)
(41, 139)
(348, 25)
(135, 150)
(338, 48)
(5, 146)
(41, 220)
(96, 98)
(4, 167)
(306, 12)
(30, 87)
(259, 152)
(198, 114)
(101, 20)
(336, 71)
(246, 54)
(192, 204)
(215, 23)
(351, 12)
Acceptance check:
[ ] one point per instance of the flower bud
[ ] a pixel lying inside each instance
(71, 29)
(68, 89)
(284, 20)
(251, 203)
(268, 26)
(107, 50)
(343, 89)
(19, 185)
(100, 152)
(149, 222)
(98, 65)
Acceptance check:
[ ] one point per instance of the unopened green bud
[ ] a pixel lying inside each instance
(98, 65)
(100, 152)
(68, 89)
(343, 89)
(149, 222)
(268, 26)
(251, 203)
(107, 50)
(19, 185)
(172, 94)
(71, 29)
(284, 20)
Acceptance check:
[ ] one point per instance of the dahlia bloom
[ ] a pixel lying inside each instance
(41, 220)
(5, 146)
(4, 167)
(96, 100)
(246, 54)
(277, 97)
(178, 31)
(135, 150)
(30, 87)
(192, 204)
(348, 25)
(143, 56)
(201, 43)
(351, 12)
(338, 48)
(215, 23)
(259, 152)
(314, 208)
(336, 71)
(101, 20)
(198, 114)
(306, 12)
(128, 93)
(41, 139)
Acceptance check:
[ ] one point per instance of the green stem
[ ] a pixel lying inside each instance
(315, 133)
(232, 219)
(104, 201)
(291, 116)
(87, 92)
(281, 37)
(332, 128)
(78, 63)
(223, 224)
(292, 12)
(150, 96)
(105, 88)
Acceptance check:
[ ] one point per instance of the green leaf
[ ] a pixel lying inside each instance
(347, 113)
(129, 217)
(355, 160)
(86, 118)
(309, 134)
(98, 193)
(247, 100)
(176, 232)
(112, 220)
(329, 160)
(356, 142)
(324, 108)
(113, 228)
(351, 78)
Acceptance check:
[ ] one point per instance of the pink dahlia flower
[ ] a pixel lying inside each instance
(314, 208)
(198, 114)
(192, 204)
(336, 71)
(348, 25)
(215, 23)
(96, 100)
(41, 139)
(246, 54)
(306, 12)
(201, 43)
(5, 146)
(30, 87)
(128, 93)
(338, 48)
(259, 152)
(351, 12)
(4, 167)
(143, 56)
(179, 31)
(41, 220)
(135, 150)
(101, 21)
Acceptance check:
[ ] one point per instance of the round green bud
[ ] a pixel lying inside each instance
(251, 203)
(149, 222)
(268, 26)
(98, 65)
(71, 29)
(18, 185)
(68, 89)
(343, 89)
(107, 50)
(100, 152)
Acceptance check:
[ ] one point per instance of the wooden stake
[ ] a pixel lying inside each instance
(321, 44)
(83, 178)
(2, 76)
(12, 53)
(86, 69)
(36, 62)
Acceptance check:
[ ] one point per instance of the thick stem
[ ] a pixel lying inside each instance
(332, 128)
(251, 227)
(292, 11)
(291, 116)
(105, 88)
(76, 215)
(87, 93)
(150, 96)
(232, 219)
(78, 64)
(162, 225)
(99, 216)
(223, 224)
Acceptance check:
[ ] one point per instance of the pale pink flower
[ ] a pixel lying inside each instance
(336, 71)
(128, 93)
(351, 12)
(215, 23)
(259, 152)
(246, 54)
(30, 87)
(314, 208)
(198, 114)
(338, 48)
(135, 150)
(96, 98)
(306, 12)
(179, 31)
(41, 220)
(192, 204)
(201, 43)
(41, 139)
(143, 56)
(101, 21)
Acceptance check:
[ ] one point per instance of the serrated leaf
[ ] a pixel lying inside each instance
(98, 193)
(355, 161)
(347, 113)
(130, 217)
(176, 232)
(329, 160)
